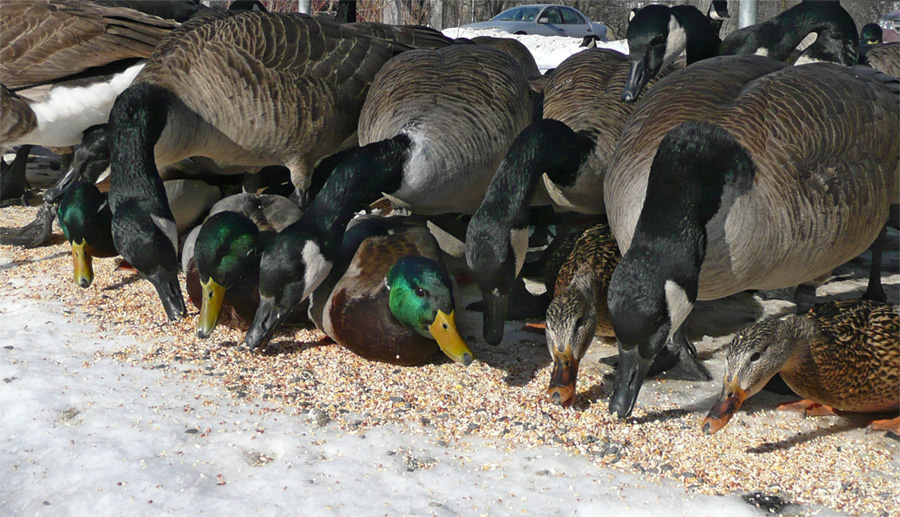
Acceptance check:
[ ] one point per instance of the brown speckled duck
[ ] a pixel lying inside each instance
(842, 355)
(579, 310)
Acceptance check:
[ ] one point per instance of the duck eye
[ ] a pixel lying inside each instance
(754, 357)
(578, 322)
(420, 292)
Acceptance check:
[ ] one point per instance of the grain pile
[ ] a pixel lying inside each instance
(828, 461)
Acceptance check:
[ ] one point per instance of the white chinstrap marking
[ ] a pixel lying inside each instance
(317, 267)
(168, 227)
(676, 42)
(678, 305)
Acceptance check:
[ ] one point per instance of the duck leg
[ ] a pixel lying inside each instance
(809, 408)
(875, 291)
(891, 424)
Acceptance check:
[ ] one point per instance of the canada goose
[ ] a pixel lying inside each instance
(560, 160)
(220, 259)
(658, 34)
(434, 129)
(64, 62)
(579, 309)
(295, 86)
(513, 47)
(843, 355)
(763, 201)
(836, 42)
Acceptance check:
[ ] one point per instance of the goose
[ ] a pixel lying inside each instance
(657, 35)
(433, 130)
(781, 174)
(840, 356)
(579, 309)
(559, 160)
(220, 258)
(64, 62)
(295, 87)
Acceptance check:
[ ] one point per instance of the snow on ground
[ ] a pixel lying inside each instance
(82, 434)
(548, 51)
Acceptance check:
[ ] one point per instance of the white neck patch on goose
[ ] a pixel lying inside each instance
(675, 42)
(678, 305)
(317, 267)
(168, 228)
(518, 239)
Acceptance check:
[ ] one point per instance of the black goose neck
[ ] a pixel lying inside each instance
(702, 40)
(358, 176)
(137, 120)
(694, 163)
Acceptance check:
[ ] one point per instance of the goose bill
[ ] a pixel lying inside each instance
(169, 291)
(267, 319)
(729, 402)
(444, 331)
(210, 308)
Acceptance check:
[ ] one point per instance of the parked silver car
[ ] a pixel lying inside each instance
(546, 20)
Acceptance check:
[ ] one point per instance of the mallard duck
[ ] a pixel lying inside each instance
(295, 87)
(85, 220)
(768, 194)
(579, 310)
(395, 301)
(435, 126)
(842, 355)
(221, 257)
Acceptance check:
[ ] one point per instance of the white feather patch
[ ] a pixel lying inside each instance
(678, 305)
(518, 239)
(317, 267)
(168, 228)
(675, 42)
(67, 111)
(761, 51)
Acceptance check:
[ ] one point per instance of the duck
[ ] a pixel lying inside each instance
(433, 130)
(316, 72)
(877, 54)
(658, 34)
(220, 258)
(559, 160)
(394, 300)
(579, 308)
(763, 201)
(85, 218)
(840, 356)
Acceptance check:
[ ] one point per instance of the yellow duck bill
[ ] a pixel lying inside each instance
(444, 331)
(210, 308)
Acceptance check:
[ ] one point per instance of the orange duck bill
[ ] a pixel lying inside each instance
(563, 377)
(728, 403)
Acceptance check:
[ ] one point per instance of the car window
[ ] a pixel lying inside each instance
(509, 14)
(528, 14)
(552, 15)
(570, 17)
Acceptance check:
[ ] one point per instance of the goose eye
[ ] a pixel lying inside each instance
(754, 357)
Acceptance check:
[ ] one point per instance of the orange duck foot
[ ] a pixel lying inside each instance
(123, 265)
(809, 408)
(891, 424)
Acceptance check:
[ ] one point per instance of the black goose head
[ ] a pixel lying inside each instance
(655, 38)
(293, 264)
(90, 160)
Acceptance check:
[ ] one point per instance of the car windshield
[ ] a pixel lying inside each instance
(526, 14)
